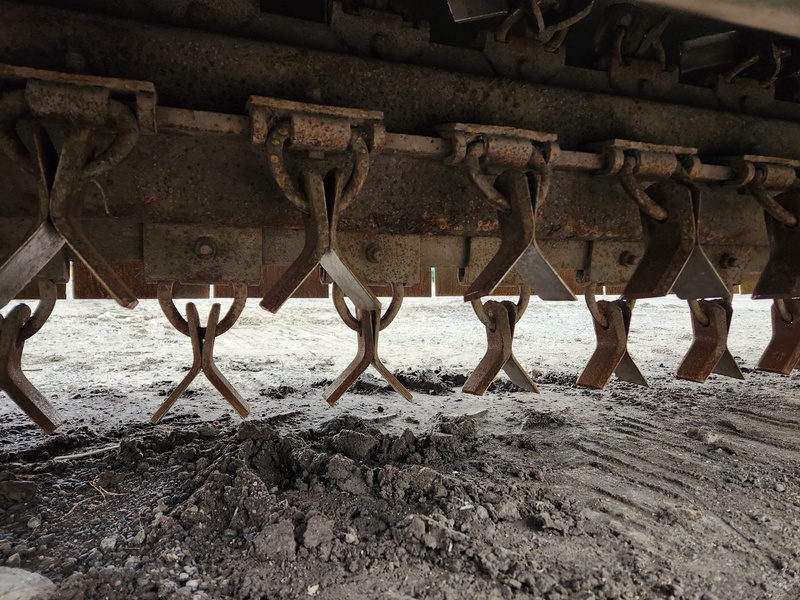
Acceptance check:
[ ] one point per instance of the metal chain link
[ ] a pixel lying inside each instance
(591, 302)
(489, 320)
(177, 320)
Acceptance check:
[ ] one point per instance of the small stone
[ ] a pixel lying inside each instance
(94, 555)
(416, 527)
(18, 584)
(340, 467)
(107, 544)
(351, 537)
(208, 431)
(18, 491)
(319, 530)
(354, 444)
(275, 542)
(34, 522)
(183, 577)
(14, 560)
(312, 590)
(481, 513)
(139, 538)
(193, 584)
(779, 487)
(507, 510)
(444, 442)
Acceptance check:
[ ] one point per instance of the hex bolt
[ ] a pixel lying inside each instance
(373, 253)
(726, 261)
(205, 247)
(627, 259)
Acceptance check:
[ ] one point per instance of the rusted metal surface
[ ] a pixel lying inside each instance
(203, 339)
(86, 286)
(612, 323)
(202, 254)
(142, 93)
(699, 277)
(733, 234)
(311, 126)
(668, 243)
(42, 243)
(499, 319)
(781, 275)
(367, 323)
(15, 328)
(214, 77)
(360, 151)
(449, 283)
(32, 292)
(380, 258)
(311, 287)
(321, 247)
(516, 233)
(61, 180)
(782, 354)
(711, 320)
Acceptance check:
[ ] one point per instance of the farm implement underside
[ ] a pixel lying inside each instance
(350, 149)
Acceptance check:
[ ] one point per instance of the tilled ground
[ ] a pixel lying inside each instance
(670, 492)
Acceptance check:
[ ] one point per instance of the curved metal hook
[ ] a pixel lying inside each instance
(484, 184)
(360, 170)
(177, 320)
(276, 142)
(277, 167)
(48, 294)
(398, 293)
(489, 321)
(771, 205)
(126, 135)
(638, 194)
(598, 315)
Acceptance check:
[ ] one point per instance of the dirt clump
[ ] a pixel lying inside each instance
(346, 510)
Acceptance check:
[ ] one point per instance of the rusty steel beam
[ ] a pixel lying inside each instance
(214, 72)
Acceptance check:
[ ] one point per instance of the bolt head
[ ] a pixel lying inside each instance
(627, 259)
(373, 253)
(205, 247)
(726, 261)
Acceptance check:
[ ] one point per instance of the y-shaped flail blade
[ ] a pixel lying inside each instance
(516, 232)
(782, 354)
(711, 320)
(781, 276)
(61, 198)
(213, 373)
(317, 240)
(668, 242)
(698, 278)
(516, 214)
(367, 324)
(203, 339)
(195, 332)
(500, 319)
(612, 322)
(15, 328)
(322, 201)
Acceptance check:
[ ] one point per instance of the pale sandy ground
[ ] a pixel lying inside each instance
(106, 365)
